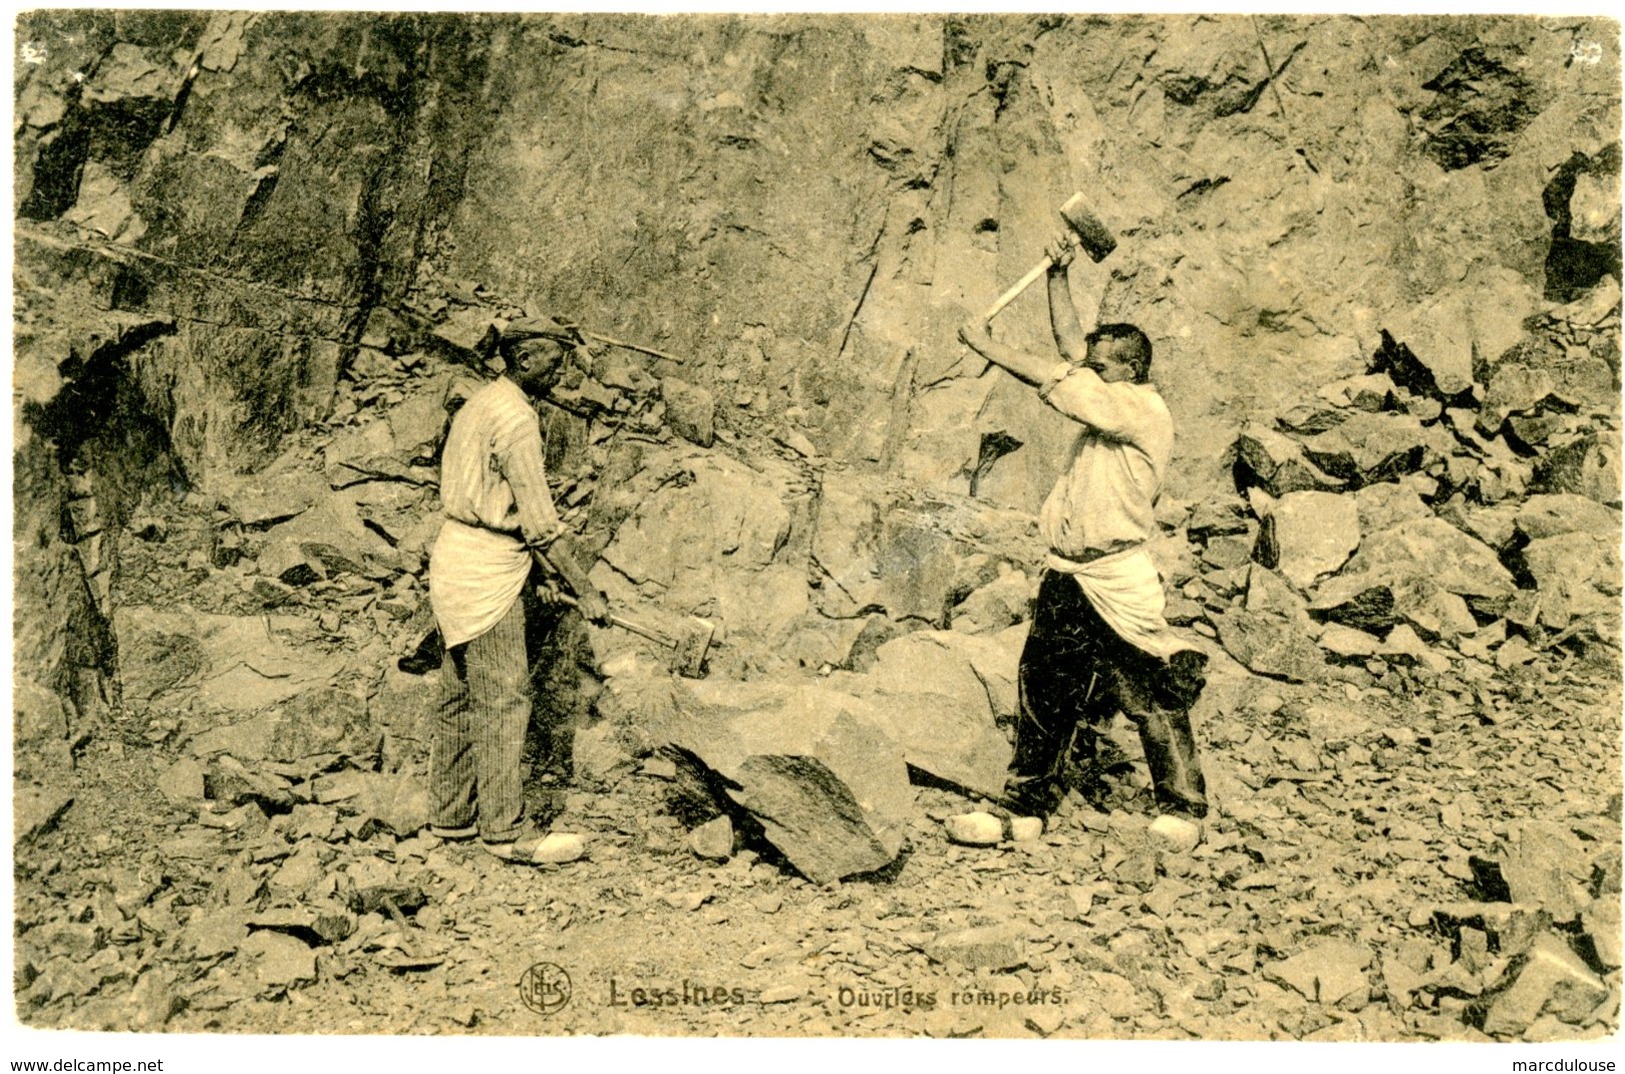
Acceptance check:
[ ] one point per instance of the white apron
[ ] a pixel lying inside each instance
(475, 575)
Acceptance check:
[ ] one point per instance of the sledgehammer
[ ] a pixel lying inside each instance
(1096, 241)
(688, 651)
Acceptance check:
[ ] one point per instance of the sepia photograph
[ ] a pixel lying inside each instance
(1073, 527)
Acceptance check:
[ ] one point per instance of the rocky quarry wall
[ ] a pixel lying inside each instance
(1379, 260)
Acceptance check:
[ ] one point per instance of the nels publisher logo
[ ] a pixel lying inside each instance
(545, 988)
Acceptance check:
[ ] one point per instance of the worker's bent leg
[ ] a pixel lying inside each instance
(1053, 689)
(451, 757)
(499, 692)
(1158, 698)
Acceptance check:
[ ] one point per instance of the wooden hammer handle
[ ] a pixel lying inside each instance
(625, 624)
(1019, 286)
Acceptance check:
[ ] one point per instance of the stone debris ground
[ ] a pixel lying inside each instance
(256, 257)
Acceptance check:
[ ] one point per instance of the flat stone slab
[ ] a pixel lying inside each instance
(993, 947)
(1330, 972)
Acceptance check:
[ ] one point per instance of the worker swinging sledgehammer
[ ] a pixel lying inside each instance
(1098, 641)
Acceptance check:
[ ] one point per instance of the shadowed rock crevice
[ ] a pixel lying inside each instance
(1582, 254)
(1480, 106)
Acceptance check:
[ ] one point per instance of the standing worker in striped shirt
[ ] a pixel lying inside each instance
(500, 522)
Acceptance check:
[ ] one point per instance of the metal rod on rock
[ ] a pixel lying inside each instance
(633, 346)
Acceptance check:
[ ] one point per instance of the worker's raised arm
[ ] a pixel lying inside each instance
(978, 336)
(1120, 410)
(1070, 339)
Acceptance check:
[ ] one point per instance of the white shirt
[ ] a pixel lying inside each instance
(1103, 500)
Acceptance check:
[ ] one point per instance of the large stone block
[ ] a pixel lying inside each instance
(1369, 391)
(1271, 645)
(717, 513)
(1433, 611)
(236, 663)
(1388, 503)
(38, 714)
(1544, 865)
(1348, 644)
(1601, 921)
(324, 720)
(1552, 515)
(1594, 208)
(1330, 972)
(1369, 448)
(1495, 526)
(287, 562)
(398, 801)
(873, 551)
(760, 607)
(1588, 466)
(1218, 517)
(845, 546)
(816, 642)
(1405, 647)
(1549, 979)
(332, 534)
(417, 420)
(1361, 601)
(811, 764)
(1439, 344)
(690, 411)
(1308, 535)
(1277, 463)
(1268, 592)
(938, 694)
(999, 604)
(1434, 549)
(1500, 301)
(1511, 928)
(1515, 388)
(1577, 574)
(262, 500)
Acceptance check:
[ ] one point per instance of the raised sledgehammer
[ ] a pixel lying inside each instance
(1096, 241)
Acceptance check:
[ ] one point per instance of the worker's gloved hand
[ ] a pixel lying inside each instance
(593, 605)
(1060, 250)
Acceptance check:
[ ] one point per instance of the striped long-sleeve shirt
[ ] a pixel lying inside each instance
(492, 474)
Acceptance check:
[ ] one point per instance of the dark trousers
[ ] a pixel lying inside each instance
(1076, 673)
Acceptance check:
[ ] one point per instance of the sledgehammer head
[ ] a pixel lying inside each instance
(690, 648)
(1096, 241)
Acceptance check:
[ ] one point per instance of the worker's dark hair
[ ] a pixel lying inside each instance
(1137, 349)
